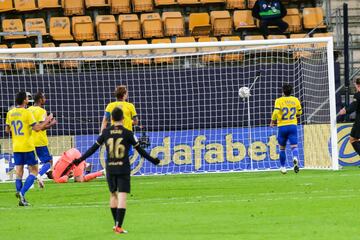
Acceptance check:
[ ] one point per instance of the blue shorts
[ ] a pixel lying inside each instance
(286, 133)
(25, 158)
(43, 154)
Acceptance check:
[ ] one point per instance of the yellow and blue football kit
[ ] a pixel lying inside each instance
(128, 110)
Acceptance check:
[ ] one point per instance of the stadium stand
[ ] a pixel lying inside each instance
(83, 28)
(174, 24)
(221, 23)
(25, 5)
(36, 24)
(210, 57)
(163, 60)
(142, 5)
(164, 2)
(97, 3)
(199, 24)
(235, 4)
(139, 61)
(151, 25)
(251, 3)
(185, 40)
(106, 28)
(302, 52)
(42, 4)
(319, 45)
(73, 7)
(13, 25)
(4, 66)
(117, 53)
(243, 19)
(64, 55)
(211, 1)
(313, 18)
(60, 29)
(23, 64)
(229, 57)
(120, 6)
(129, 26)
(188, 2)
(94, 54)
(6, 5)
(53, 56)
(293, 18)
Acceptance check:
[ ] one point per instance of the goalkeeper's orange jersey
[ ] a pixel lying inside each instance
(63, 163)
(286, 111)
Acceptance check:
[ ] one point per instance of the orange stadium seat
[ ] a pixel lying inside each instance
(48, 4)
(210, 57)
(60, 29)
(243, 19)
(162, 60)
(23, 63)
(142, 5)
(83, 28)
(293, 19)
(95, 54)
(221, 23)
(116, 53)
(35, 24)
(185, 40)
(97, 3)
(6, 5)
(313, 18)
(64, 55)
(138, 61)
(151, 25)
(235, 4)
(211, 1)
(321, 45)
(278, 37)
(4, 66)
(301, 48)
(73, 7)
(174, 24)
(13, 25)
(25, 5)
(51, 56)
(106, 28)
(164, 2)
(186, 2)
(199, 24)
(129, 25)
(120, 6)
(232, 56)
(254, 37)
(251, 3)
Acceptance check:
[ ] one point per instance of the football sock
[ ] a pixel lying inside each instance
(356, 146)
(91, 176)
(28, 183)
(120, 214)
(282, 157)
(44, 168)
(113, 212)
(295, 152)
(18, 184)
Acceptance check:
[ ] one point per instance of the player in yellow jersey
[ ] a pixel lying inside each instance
(20, 122)
(287, 109)
(39, 138)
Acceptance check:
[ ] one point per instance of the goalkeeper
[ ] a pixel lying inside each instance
(118, 140)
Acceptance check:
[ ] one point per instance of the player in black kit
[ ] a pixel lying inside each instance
(118, 141)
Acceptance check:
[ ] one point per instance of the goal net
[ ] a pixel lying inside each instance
(187, 100)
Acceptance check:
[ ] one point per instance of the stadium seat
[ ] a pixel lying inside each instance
(243, 19)
(251, 3)
(48, 4)
(120, 6)
(300, 49)
(65, 55)
(6, 5)
(210, 57)
(185, 40)
(83, 28)
(234, 56)
(96, 54)
(162, 60)
(25, 5)
(60, 29)
(235, 4)
(142, 5)
(13, 25)
(106, 28)
(151, 25)
(116, 53)
(138, 61)
(294, 20)
(51, 56)
(22, 64)
(35, 24)
(221, 23)
(73, 7)
(321, 45)
(4, 66)
(188, 2)
(174, 24)
(211, 1)
(278, 37)
(97, 3)
(199, 24)
(254, 37)
(313, 18)
(129, 25)
(164, 2)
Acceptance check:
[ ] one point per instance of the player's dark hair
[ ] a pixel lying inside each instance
(287, 89)
(120, 92)
(20, 97)
(117, 114)
(38, 96)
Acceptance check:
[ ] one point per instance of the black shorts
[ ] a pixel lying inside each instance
(355, 131)
(118, 182)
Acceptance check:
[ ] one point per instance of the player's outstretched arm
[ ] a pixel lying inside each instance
(104, 124)
(88, 153)
(49, 121)
(144, 154)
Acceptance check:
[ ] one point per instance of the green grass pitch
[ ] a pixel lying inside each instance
(262, 205)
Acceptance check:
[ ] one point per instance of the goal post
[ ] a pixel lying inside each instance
(187, 100)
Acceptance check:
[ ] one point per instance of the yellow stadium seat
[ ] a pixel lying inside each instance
(138, 61)
(243, 19)
(211, 1)
(60, 29)
(294, 20)
(25, 5)
(35, 24)
(185, 40)
(301, 49)
(164, 2)
(24, 63)
(151, 25)
(321, 45)
(162, 60)
(120, 6)
(313, 18)
(254, 37)
(70, 55)
(73, 7)
(129, 25)
(51, 56)
(210, 57)
(142, 5)
(221, 23)
(83, 28)
(4, 65)
(48, 4)
(188, 2)
(278, 37)
(232, 56)
(97, 3)
(106, 28)
(116, 53)
(251, 3)
(174, 24)
(13, 25)
(5, 6)
(235, 4)
(95, 54)
(199, 24)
